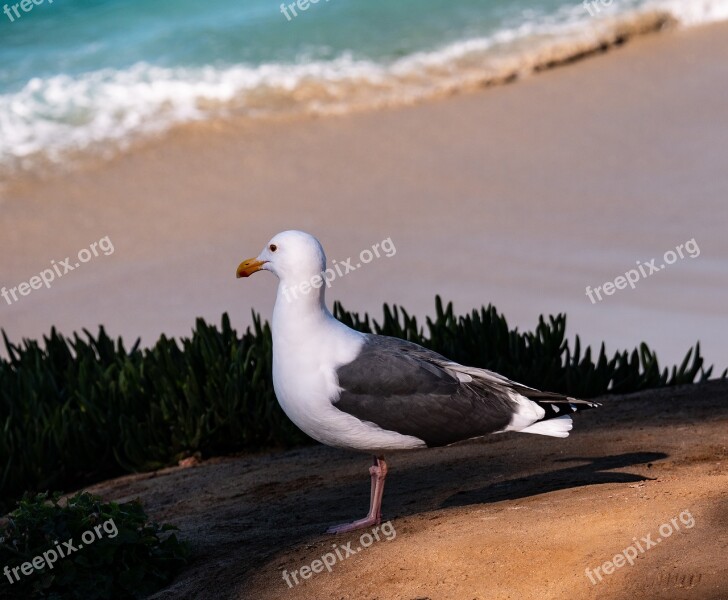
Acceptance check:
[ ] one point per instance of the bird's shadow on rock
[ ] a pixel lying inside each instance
(595, 471)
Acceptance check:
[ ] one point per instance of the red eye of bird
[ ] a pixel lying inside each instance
(273, 247)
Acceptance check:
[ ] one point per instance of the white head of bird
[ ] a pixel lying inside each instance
(298, 260)
(292, 256)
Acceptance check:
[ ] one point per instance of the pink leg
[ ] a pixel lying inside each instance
(378, 472)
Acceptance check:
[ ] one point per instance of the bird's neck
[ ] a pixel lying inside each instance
(306, 336)
(299, 312)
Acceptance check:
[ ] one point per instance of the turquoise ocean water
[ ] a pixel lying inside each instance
(79, 75)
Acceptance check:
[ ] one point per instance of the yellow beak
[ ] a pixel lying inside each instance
(250, 266)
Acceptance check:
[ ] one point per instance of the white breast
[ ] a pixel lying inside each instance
(306, 354)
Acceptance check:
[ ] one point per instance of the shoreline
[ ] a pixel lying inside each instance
(521, 195)
(495, 71)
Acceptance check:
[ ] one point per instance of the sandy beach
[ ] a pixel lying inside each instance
(520, 195)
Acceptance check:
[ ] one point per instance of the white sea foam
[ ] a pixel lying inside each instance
(694, 12)
(59, 114)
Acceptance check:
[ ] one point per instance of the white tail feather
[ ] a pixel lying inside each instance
(558, 427)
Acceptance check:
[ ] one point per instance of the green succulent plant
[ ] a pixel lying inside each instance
(83, 409)
(85, 549)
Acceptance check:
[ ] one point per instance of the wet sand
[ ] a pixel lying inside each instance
(521, 195)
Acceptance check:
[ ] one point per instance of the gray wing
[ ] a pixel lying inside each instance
(406, 388)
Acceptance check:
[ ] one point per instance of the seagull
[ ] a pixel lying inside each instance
(375, 393)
